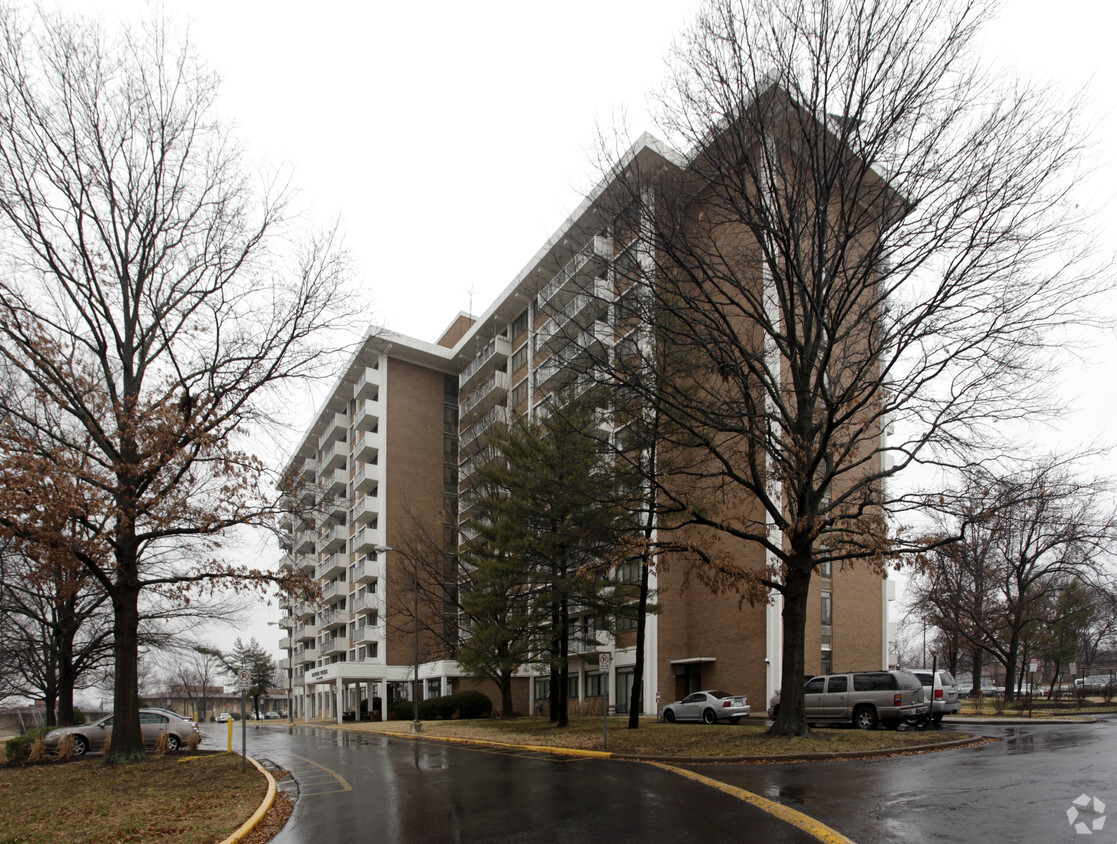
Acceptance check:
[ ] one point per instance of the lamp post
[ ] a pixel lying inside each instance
(290, 667)
(416, 724)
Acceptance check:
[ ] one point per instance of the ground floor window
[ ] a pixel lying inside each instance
(541, 688)
(593, 684)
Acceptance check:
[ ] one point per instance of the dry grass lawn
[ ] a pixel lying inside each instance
(183, 798)
(655, 738)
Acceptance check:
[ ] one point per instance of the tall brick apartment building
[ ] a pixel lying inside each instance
(397, 442)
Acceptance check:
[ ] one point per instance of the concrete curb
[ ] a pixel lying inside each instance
(692, 760)
(269, 800)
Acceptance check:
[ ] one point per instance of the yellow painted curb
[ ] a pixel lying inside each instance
(808, 824)
(269, 799)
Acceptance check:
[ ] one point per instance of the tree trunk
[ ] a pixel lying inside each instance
(127, 740)
(637, 701)
(505, 684)
(564, 664)
(790, 720)
(67, 630)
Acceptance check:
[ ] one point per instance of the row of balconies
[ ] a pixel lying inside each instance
(489, 393)
(588, 263)
(559, 367)
(496, 352)
(471, 440)
(581, 310)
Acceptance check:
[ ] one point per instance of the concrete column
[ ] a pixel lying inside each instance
(338, 690)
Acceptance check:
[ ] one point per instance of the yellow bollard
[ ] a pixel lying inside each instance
(229, 723)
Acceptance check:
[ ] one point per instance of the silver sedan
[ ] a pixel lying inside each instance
(708, 707)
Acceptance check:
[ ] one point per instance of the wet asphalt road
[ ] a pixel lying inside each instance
(369, 788)
(1017, 789)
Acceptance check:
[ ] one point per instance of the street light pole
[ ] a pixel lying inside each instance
(416, 724)
(290, 668)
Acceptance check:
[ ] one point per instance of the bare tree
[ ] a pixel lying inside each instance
(153, 302)
(858, 264)
(1027, 537)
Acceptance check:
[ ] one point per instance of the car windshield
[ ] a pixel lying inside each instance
(720, 694)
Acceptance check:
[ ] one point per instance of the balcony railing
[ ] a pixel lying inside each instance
(590, 258)
(471, 434)
(487, 394)
(497, 351)
(330, 645)
(368, 385)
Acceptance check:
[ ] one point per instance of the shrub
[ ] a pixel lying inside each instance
(38, 751)
(192, 741)
(20, 746)
(473, 704)
(163, 744)
(66, 747)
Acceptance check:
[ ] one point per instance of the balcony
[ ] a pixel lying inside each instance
(335, 482)
(366, 636)
(367, 603)
(331, 619)
(285, 643)
(330, 645)
(365, 512)
(333, 539)
(332, 508)
(366, 481)
(283, 665)
(306, 563)
(367, 571)
(304, 542)
(368, 417)
(368, 385)
(304, 633)
(571, 319)
(334, 455)
(365, 540)
(331, 567)
(367, 447)
(561, 366)
(303, 610)
(488, 394)
(307, 656)
(492, 356)
(330, 589)
(336, 427)
(472, 438)
(589, 263)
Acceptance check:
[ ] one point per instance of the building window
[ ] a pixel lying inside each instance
(827, 609)
(519, 358)
(518, 394)
(572, 687)
(593, 684)
(541, 688)
(434, 687)
(519, 324)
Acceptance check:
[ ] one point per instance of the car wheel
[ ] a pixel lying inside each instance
(937, 718)
(669, 716)
(865, 718)
(709, 717)
(736, 719)
(891, 723)
(172, 742)
(81, 746)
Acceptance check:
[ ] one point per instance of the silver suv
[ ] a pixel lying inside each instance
(945, 696)
(863, 698)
